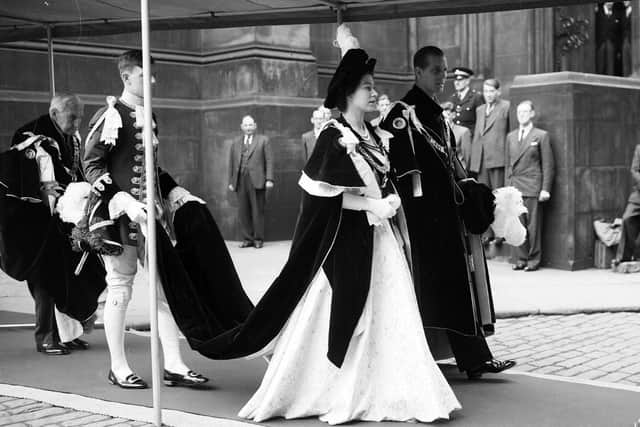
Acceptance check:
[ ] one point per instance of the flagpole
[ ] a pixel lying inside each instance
(150, 171)
(52, 72)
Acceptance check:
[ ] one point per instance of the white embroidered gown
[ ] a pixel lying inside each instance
(388, 372)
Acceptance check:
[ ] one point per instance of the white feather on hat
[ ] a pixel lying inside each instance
(345, 40)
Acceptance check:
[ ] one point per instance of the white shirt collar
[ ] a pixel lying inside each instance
(131, 99)
(526, 129)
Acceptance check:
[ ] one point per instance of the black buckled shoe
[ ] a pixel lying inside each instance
(258, 244)
(53, 350)
(246, 244)
(189, 380)
(76, 344)
(493, 366)
(132, 381)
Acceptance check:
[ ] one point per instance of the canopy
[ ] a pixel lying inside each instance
(29, 19)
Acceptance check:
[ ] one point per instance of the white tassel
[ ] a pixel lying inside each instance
(112, 122)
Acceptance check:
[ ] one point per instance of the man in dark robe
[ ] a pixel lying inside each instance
(452, 284)
(43, 159)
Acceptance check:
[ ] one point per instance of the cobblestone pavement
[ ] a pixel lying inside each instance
(16, 412)
(602, 346)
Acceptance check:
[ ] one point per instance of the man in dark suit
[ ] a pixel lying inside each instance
(461, 133)
(629, 246)
(487, 148)
(465, 100)
(250, 175)
(309, 138)
(60, 125)
(530, 168)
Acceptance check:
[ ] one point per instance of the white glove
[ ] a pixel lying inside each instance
(381, 208)
(136, 212)
(393, 200)
(179, 196)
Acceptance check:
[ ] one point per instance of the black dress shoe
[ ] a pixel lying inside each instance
(53, 350)
(493, 366)
(246, 244)
(531, 268)
(189, 380)
(258, 244)
(132, 381)
(76, 344)
(519, 266)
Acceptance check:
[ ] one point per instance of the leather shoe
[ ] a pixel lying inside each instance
(258, 244)
(531, 268)
(53, 350)
(189, 380)
(132, 381)
(519, 266)
(76, 344)
(246, 244)
(493, 366)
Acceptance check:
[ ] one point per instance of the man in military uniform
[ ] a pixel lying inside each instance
(465, 100)
(451, 295)
(114, 164)
(52, 145)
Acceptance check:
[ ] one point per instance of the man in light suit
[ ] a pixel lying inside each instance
(309, 138)
(629, 246)
(250, 175)
(487, 149)
(530, 168)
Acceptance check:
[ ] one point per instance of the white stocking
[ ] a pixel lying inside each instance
(121, 271)
(115, 311)
(168, 331)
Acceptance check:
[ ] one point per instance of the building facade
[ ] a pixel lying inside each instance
(209, 79)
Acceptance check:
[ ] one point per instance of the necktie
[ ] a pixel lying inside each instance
(247, 140)
(489, 108)
(521, 135)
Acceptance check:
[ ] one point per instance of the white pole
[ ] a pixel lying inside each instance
(52, 75)
(150, 171)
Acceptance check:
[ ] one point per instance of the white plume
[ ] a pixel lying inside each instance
(345, 40)
(71, 204)
(509, 207)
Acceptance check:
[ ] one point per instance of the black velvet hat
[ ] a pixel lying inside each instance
(353, 66)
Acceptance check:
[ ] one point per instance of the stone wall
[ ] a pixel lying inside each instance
(592, 121)
(208, 79)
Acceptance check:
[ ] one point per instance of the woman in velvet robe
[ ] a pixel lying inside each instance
(341, 319)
